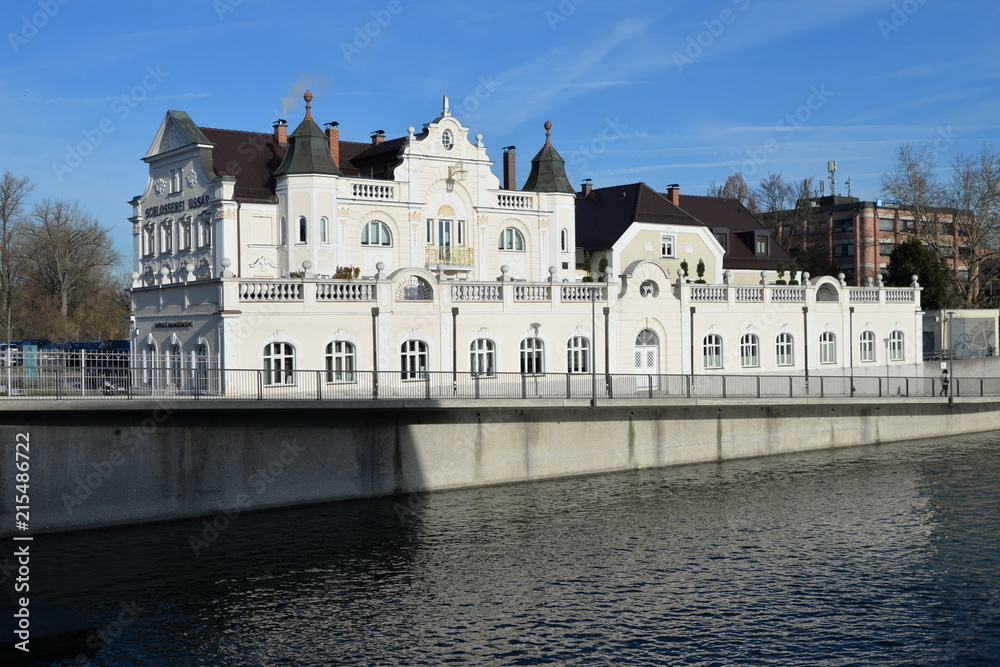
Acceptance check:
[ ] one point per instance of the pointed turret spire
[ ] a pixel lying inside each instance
(308, 97)
(444, 107)
(308, 148)
(548, 169)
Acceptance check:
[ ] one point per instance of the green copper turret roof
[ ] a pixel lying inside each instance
(548, 169)
(308, 149)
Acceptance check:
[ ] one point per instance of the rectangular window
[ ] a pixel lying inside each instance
(460, 232)
(886, 225)
(721, 238)
(430, 231)
(844, 226)
(886, 248)
(827, 348)
(667, 245)
(168, 237)
(206, 234)
(186, 235)
(150, 240)
(444, 233)
(762, 245)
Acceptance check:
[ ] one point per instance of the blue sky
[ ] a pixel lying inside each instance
(665, 91)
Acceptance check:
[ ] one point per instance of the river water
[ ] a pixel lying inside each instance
(877, 555)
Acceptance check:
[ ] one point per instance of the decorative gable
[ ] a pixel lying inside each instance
(176, 131)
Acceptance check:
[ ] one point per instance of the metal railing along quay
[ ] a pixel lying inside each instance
(171, 382)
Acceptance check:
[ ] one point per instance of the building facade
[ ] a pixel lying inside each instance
(409, 256)
(857, 237)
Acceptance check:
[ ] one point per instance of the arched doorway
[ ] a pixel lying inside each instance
(647, 357)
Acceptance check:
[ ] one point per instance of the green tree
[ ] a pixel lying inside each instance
(913, 258)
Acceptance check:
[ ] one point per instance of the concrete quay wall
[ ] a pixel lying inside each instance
(97, 464)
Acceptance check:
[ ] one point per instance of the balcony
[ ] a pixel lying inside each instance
(453, 256)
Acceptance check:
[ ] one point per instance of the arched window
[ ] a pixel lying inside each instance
(414, 289)
(376, 233)
(482, 357)
(896, 346)
(340, 361)
(201, 365)
(303, 229)
(511, 239)
(564, 240)
(784, 351)
(279, 364)
(532, 356)
(712, 351)
(866, 346)
(578, 355)
(174, 364)
(649, 288)
(324, 230)
(827, 348)
(749, 351)
(413, 360)
(646, 338)
(149, 363)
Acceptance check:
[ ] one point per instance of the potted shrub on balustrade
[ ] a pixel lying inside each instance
(701, 271)
(588, 267)
(602, 267)
(687, 272)
(794, 274)
(781, 274)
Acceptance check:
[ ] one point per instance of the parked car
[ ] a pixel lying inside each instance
(47, 350)
(10, 354)
(111, 362)
(79, 349)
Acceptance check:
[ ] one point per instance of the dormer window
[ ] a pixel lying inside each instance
(721, 238)
(762, 245)
(447, 140)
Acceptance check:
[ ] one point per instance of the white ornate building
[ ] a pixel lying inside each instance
(305, 252)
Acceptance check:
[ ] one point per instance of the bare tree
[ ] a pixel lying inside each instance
(14, 192)
(913, 182)
(774, 194)
(735, 187)
(974, 193)
(64, 247)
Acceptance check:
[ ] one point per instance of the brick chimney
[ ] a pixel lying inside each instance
(281, 132)
(333, 135)
(674, 193)
(509, 168)
(586, 187)
(378, 136)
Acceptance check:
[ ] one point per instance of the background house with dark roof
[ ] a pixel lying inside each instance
(630, 223)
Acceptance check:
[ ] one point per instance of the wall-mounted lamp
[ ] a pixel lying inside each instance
(457, 172)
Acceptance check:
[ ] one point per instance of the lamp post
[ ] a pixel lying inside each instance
(593, 345)
(886, 341)
(951, 352)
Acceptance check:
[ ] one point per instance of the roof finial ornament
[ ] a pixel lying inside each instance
(308, 97)
(444, 107)
(548, 133)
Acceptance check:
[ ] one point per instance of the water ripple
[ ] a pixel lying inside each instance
(882, 555)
